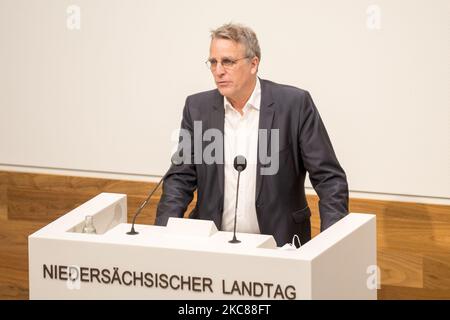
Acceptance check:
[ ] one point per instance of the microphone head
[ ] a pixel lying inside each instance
(240, 163)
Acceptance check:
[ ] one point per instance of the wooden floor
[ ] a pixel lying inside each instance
(413, 239)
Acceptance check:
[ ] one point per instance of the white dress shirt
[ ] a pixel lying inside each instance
(241, 138)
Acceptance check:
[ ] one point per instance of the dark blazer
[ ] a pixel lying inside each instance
(280, 201)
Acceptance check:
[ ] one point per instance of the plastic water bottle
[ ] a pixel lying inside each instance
(89, 225)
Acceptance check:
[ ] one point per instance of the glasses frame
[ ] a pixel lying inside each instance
(233, 62)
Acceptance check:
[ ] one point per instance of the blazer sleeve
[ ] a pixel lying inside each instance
(180, 181)
(325, 173)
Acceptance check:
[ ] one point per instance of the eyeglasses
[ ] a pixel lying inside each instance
(226, 63)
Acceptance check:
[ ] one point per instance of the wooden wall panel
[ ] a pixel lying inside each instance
(38, 205)
(14, 257)
(400, 268)
(388, 292)
(407, 234)
(3, 195)
(413, 239)
(436, 271)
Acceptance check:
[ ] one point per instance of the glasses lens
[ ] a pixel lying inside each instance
(227, 63)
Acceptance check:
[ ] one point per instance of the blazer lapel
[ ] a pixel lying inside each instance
(265, 123)
(216, 120)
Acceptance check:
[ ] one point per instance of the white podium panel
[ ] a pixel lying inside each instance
(190, 259)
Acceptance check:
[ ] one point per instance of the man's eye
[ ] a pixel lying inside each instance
(227, 62)
(213, 62)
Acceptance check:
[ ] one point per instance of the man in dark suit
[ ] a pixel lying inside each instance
(273, 202)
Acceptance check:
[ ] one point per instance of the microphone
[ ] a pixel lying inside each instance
(176, 161)
(240, 163)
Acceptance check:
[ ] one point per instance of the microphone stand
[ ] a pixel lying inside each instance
(132, 231)
(234, 240)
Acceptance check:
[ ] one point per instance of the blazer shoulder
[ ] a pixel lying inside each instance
(203, 98)
(287, 93)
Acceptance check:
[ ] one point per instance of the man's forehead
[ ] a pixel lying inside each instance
(225, 48)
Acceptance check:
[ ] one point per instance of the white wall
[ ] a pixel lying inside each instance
(107, 97)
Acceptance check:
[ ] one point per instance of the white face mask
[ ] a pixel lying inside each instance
(292, 246)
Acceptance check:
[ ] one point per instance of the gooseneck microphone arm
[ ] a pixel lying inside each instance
(138, 211)
(176, 162)
(240, 163)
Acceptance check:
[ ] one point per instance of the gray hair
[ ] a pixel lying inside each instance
(240, 34)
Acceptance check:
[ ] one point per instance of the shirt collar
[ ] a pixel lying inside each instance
(254, 100)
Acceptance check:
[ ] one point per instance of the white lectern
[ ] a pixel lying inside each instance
(190, 259)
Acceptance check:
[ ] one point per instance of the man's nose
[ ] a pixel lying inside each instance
(219, 69)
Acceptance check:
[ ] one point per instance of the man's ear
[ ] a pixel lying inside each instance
(255, 65)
